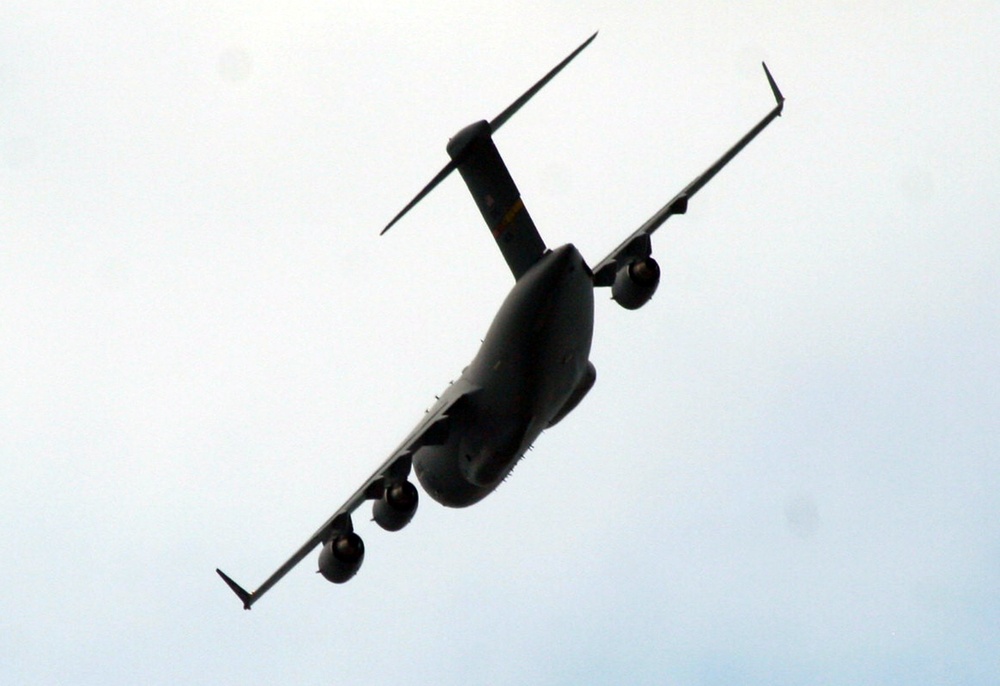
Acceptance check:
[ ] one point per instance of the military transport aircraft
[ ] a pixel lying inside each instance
(533, 366)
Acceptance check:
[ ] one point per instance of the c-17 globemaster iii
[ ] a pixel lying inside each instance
(533, 367)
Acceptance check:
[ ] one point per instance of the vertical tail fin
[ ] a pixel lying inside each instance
(496, 195)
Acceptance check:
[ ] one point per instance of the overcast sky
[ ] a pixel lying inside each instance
(786, 474)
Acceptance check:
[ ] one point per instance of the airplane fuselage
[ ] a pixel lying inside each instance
(535, 355)
(533, 367)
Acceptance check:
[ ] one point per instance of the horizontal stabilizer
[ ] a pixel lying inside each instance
(438, 178)
(495, 124)
(502, 118)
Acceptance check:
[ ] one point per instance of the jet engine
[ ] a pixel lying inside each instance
(636, 282)
(396, 507)
(341, 557)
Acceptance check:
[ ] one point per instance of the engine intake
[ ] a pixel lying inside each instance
(396, 507)
(341, 557)
(636, 282)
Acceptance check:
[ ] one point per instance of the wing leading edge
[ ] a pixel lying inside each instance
(638, 242)
(433, 429)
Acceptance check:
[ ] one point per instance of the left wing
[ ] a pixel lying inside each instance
(433, 429)
(638, 244)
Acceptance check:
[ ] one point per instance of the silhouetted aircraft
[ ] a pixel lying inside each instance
(533, 367)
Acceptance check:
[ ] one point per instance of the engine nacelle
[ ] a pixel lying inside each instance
(635, 283)
(396, 507)
(341, 557)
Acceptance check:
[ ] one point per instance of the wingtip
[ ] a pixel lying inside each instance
(240, 592)
(779, 98)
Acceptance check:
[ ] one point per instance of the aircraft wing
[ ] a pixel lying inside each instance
(638, 242)
(432, 429)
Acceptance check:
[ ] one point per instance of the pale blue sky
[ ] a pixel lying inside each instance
(786, 473)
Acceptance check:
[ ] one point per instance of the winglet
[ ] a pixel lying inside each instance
(247, 598)
(774, 89)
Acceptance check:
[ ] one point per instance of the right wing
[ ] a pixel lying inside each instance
(432, 429)
(638, 243)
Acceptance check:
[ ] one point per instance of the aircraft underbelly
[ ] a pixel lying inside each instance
(535, 354)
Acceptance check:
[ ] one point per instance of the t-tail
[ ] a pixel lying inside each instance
(477, 159)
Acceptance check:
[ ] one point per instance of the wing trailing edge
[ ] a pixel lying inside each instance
(605, 270)
(433, 429)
